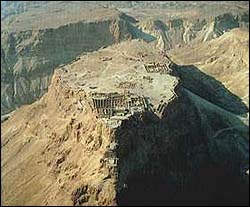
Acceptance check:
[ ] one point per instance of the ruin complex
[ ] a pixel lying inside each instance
(107, 105)
(162, 68)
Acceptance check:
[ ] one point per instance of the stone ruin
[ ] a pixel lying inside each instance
(109, 159)
(161, 107)
(126, 85)
(107, 105)
(162, 68)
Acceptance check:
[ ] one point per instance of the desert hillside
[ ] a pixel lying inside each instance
(225, 58)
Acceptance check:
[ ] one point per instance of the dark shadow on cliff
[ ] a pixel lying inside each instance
(184, 166)
(138, 33)
(210, 89)
(158, 181)
(211, 187)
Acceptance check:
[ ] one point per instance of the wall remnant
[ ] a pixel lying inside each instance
(115, 104)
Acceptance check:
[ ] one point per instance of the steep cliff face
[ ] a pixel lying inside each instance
(63, 151)
(225, 58)
(28, 58)
(178, 158)
(181, 31)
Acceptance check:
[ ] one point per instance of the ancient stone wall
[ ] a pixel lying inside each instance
(158, 68)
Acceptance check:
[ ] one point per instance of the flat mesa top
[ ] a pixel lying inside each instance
(120, 68)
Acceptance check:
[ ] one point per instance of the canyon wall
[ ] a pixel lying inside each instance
(28, 58)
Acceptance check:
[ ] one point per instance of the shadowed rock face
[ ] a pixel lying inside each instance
(174, 178)
(179, 32)
(225, 58)
(205, 188)
(181, 165)
(211, 89)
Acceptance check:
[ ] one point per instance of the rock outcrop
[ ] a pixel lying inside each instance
(225, 58)
(179, 32)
